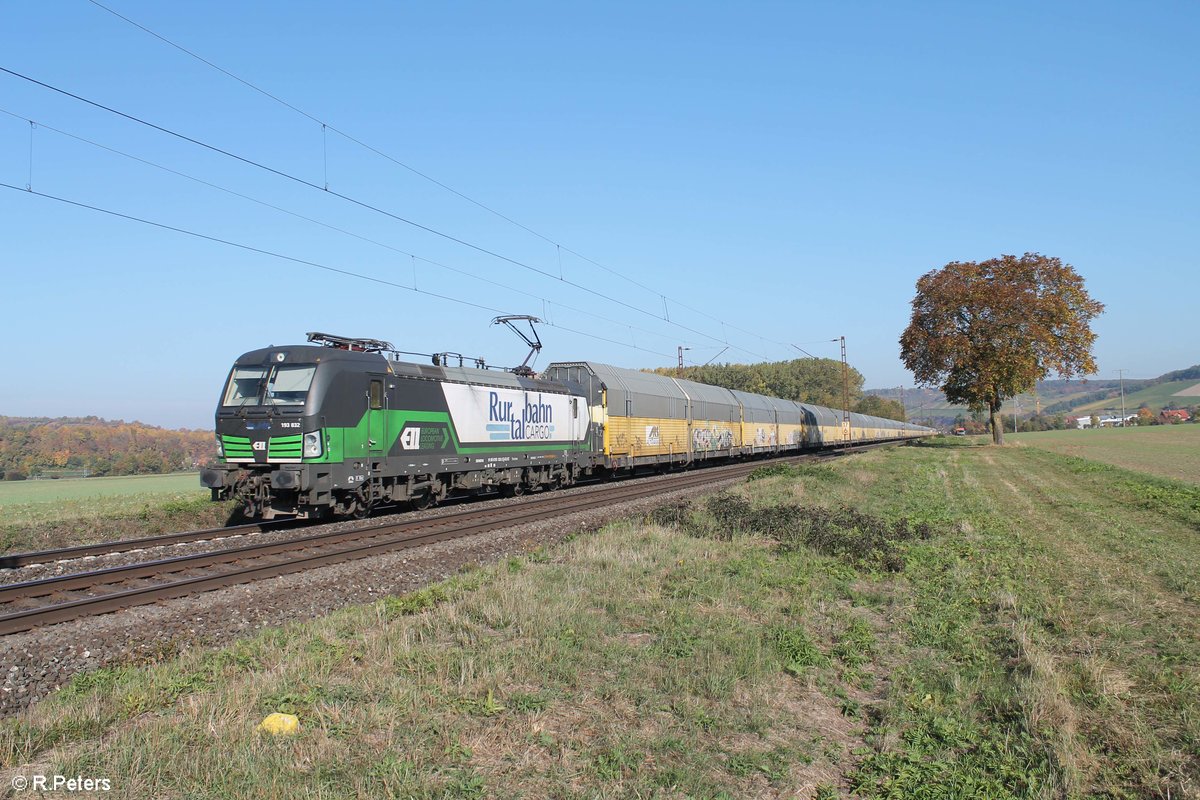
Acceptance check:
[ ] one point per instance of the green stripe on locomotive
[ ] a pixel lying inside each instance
(285, 446)
(236, 446)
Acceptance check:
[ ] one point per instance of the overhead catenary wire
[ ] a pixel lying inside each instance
(328, 226)
(810, 355)
(344, 134)
(326, 125)
(354, 201)
(302, 261)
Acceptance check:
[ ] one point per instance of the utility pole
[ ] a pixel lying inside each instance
(1121, 375)
(845, 394)
(679, 369)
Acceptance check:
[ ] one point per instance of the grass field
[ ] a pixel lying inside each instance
(93, 489)
(1170, 451)
(1155, 396)
(918, 622)
(54, 513)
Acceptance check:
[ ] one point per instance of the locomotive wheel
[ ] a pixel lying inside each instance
(239, 516)
(513, 489)
(422, 501)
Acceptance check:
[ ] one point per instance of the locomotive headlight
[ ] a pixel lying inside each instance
(220, 447)
(312, 444)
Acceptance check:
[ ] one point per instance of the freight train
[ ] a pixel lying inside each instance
(339, 426)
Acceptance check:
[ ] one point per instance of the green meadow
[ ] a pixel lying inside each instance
(1169, 451)
(40, 514)
(933, 622)
(83, 490)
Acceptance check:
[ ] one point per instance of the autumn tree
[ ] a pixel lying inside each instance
(807, 380)
(32, 445)
(876, 406)
(984, 331)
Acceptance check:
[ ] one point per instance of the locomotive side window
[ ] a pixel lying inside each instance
(376, 394)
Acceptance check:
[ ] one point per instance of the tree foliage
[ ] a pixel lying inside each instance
(34, 445)
(1188, 374)
(876, 406)
(808, 380)
(984, 331)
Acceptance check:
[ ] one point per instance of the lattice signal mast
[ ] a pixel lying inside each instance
(845, 394)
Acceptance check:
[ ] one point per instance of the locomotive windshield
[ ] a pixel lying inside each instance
(276, 385)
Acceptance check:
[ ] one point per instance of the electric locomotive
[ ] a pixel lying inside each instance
(337, 427)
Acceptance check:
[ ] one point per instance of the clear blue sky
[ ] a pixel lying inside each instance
(790, 169)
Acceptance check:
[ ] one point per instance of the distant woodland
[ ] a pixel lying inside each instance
(808, 380)
(66, 445)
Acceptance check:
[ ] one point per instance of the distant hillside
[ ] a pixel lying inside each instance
(36, 445)
(1058, 396)
(1189, 374)
(1156, 397)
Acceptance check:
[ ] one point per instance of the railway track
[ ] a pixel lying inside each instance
(144, 543)
(32, 604)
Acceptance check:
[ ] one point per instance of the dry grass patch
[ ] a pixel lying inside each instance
(634, 662)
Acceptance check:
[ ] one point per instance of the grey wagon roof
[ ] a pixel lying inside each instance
(651, 394)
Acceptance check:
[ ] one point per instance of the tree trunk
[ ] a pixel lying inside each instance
(997, 423)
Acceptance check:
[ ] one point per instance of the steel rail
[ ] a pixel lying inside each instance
(82, 580)
(125, 545)
(89, 606)
(449, 526)
(113, 546)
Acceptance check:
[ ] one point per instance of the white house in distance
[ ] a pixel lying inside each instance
(1105, 422)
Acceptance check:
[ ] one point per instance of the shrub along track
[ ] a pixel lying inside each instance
(36, 603)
